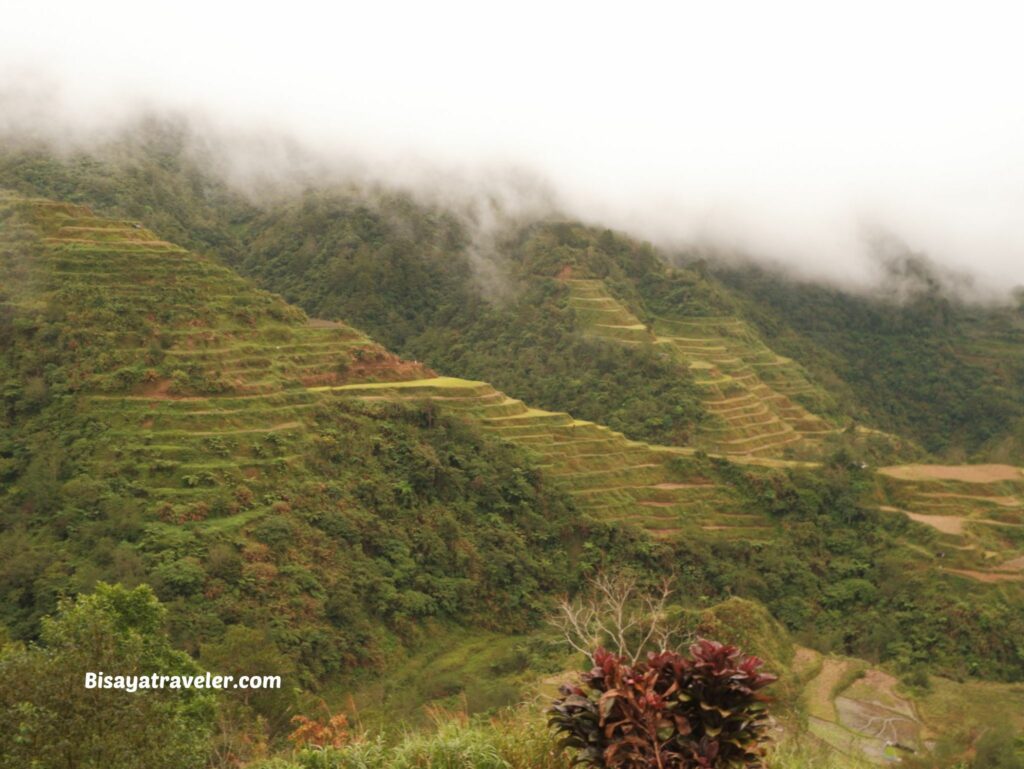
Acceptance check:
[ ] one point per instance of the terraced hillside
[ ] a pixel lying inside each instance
(208, 394)
(216, 371)
(162, 421)
(862, 711)
(975, 513)
(748, 390)
(655, 488)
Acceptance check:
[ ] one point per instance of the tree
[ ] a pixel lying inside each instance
(49, 718)
(618, 613)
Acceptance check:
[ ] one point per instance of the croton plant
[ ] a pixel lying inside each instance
(671, 711)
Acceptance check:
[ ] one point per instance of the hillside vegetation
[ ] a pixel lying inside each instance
(379, 481)
(917, 364)
(181, 428)
(924, 364)
(161, 422)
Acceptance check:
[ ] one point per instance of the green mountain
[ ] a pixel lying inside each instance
(177, 418)
(381, 476)
(926, 365)
(919, 365)
(164, 421)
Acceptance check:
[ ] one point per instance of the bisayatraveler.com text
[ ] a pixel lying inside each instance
(134, 683)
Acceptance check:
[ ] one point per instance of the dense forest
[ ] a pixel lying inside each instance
(922, 364)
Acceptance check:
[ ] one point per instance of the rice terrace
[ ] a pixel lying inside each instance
(433, 387)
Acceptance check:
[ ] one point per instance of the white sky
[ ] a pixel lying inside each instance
(784, 128)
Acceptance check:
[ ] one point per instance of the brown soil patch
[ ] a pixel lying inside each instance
(1017, 564)
(325, 378)
(879, 688)
(565, 273)
(965, 473)
(383, 368)
(388, 368)
(654, 503)
(987, 576)
(1003, 501)
(877, 722)
(159, 389)
(670, 486)
(663, 533)
(947, 524)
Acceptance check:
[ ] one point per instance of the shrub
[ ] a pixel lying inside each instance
(670, 711)
(49, 718)
(996, 750)
(330, 732)
(182, 577)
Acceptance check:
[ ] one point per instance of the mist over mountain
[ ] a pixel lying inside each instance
(779, 135)
(412, 355)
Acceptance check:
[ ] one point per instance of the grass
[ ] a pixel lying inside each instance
(515, 739)
(456, 669)
(747, 387)
(971, 704)
(975, 512)
(608, 475)
(196, 410)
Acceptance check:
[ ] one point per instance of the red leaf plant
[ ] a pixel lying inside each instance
(702, 711)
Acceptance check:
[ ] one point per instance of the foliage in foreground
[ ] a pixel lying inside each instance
(514, 739)
(49, 719)
(670, 711)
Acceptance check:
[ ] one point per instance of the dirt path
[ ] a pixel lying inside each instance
(965, 473)
(1001, 501)
(1017, 564)
(947, 524)
(987, 576)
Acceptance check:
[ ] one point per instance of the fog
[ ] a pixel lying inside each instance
(796, 134)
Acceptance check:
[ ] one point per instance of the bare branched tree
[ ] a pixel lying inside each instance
(620, 614)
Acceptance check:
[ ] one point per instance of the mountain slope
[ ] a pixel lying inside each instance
(404, 272)
(161, 423)
(731, 367)
(920, 362)
(609, 476)
(836, 568)
(577, 306)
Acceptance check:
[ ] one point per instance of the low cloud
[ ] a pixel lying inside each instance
(790, 134)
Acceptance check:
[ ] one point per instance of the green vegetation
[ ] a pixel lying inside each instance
(917, 363)
(161, 422)
(122, 630)
(946, 374)
(303, 499)
(49, 719)
(411, 284)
